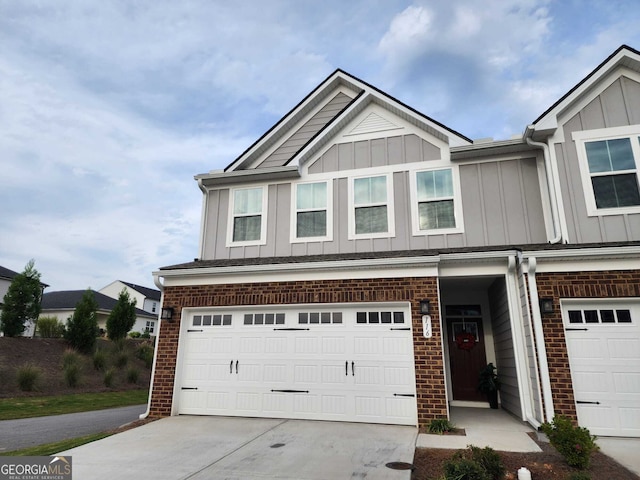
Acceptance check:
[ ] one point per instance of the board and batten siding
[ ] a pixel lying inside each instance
(501, 205)
(618, 105)
(503, 342)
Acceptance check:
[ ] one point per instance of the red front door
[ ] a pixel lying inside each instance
(466, 352)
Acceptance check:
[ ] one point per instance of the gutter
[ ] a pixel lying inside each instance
(555, 213)
(156, 281)
(545, 379)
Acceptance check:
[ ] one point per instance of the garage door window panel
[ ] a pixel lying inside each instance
(602, 316)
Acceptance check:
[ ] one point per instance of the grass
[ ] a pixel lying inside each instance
(27, 407)
(55, 447)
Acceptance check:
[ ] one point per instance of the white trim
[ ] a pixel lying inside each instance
(581, 138)
(457, 203)
(263, 217)
(294, 213)
(389, 204)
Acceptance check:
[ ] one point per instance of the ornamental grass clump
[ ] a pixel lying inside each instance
(28, 377)
(575, 444)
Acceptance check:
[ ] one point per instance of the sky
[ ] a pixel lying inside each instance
(109, 108)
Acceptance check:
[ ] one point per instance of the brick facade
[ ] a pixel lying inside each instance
(607, 284)
(430, 383)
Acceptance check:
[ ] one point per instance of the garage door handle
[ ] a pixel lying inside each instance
(291, 391)
(291, 328)
(346, 368)
(231, 367)
(576, 329)
(404, 328)
(404, 394)
(236, 367)
(189, 388)
(587, 403)
(353, 369)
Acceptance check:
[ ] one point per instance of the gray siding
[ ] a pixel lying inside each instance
(376, 153)
(285, 151)
(503, 343)
(618, 105)
(501, 203)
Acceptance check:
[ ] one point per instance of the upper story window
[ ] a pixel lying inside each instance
(436, 202)
(609, 160)
(248, 215)
(371, 210)
(312, 211)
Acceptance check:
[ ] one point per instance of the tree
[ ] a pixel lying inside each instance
(22, 301)
(122, 317)
(82, 326)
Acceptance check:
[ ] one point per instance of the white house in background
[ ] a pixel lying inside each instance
(62, 305)
(148, 299)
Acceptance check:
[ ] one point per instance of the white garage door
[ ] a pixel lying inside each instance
(603, 342)
(334, 363)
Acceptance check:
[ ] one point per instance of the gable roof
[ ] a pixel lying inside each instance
(364, 95)
(150, 293)
(623, 56)
(68, 299)
(6, 273)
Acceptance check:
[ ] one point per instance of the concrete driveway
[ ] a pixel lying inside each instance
(191, 447)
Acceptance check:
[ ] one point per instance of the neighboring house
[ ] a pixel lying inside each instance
(62, 305)
(6, 277)
(362, 262)
(147, 299)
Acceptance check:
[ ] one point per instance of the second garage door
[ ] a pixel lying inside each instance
(334, 363)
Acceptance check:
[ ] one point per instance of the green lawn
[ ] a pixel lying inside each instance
(27, 407)
(55, 447)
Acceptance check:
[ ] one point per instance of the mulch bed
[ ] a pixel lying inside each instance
(545, 465)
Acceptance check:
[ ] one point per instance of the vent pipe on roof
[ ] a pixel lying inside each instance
(555, 211)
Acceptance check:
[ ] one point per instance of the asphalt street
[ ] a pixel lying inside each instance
(29, 432)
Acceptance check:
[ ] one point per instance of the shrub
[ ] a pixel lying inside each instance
(122, 359)
(134, 334)
(108, 378)
(132, 375)
(70, 357)
(82, 326)
(49, 327)
(72, 374)
(145, 352)
(28, 377)
(122, 316)
(460, 468)
(490, 461)
(145, 334)
(119, 345)
(574, 443)
(440, 425)
(99, 360)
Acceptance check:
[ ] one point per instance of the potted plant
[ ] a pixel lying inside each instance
(489, 384)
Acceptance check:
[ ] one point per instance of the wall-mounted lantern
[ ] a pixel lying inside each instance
(546, 306)
(424, 307)
(167, 314)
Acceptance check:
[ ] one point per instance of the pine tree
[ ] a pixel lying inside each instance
(122, 317)
(22, 301)
(82, 326)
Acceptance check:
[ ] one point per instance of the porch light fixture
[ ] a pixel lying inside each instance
(546, 305)
(424, 307)
(167, 314)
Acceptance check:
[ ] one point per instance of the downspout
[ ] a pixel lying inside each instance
(545, 379)
(156, 281)
(555, 213)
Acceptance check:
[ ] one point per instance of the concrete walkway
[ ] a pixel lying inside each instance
(190, 447)
(484, 428)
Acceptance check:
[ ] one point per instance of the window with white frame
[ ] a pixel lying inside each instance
(248, 215)
(150, 326)
(312, 213)
(370, 206)
(435, 199)
(609, 160)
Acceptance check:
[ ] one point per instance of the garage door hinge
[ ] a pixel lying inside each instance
(576, 329)
(404, 394)
(589, 403)
(291, 391)
(189, 388)
(290, 328)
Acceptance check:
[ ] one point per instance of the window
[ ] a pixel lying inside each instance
(305, 318)
(312, 211)
(263, 319)
(214, 320)
(435, 199)
(379, 317)
(150, 326)
(600, 316)
(248, 215)
(609, 166)
(370, 210)
(153, 307)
